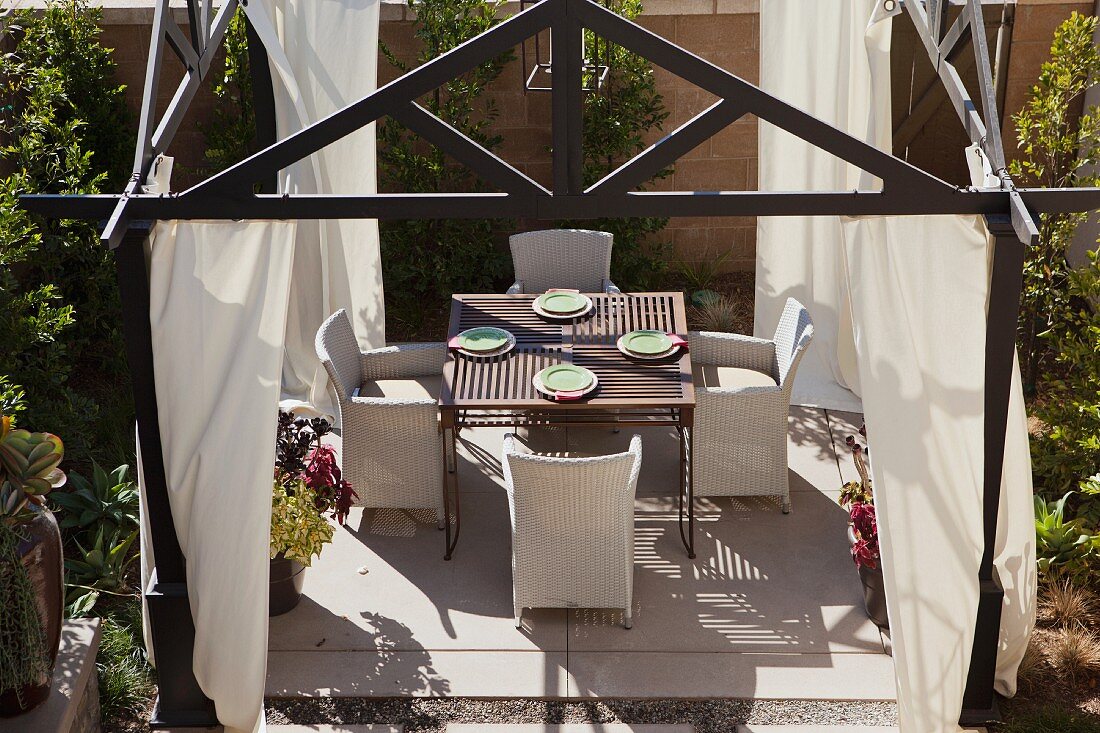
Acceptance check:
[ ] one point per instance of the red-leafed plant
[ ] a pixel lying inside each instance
(300, 456)
(859, 498)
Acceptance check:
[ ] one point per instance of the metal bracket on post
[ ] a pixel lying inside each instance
(180, 702)
(1006, 282)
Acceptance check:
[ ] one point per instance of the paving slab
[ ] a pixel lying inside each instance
(336, 728)
(411, 599)
(750, 589)
(831, 729)
(539, 675)
(810, 455)
(738, 675)
(569, 728)
(770, 608)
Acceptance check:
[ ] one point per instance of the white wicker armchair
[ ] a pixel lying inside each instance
(562, 258)
(743, 396)
(572, 528)
(392, 447)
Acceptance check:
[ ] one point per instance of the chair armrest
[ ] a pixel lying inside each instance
(516, 288)
(731, 393)
(610, 287)
(394, 402)
(404, 361)
(734, 350)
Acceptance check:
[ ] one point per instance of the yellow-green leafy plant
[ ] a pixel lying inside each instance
(298, 530)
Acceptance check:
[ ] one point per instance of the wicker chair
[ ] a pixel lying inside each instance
(572, 528)
(562, 258)
(387, 397)
(743, 395)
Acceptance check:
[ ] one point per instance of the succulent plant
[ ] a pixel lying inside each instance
(28, 467)
(1064, 547)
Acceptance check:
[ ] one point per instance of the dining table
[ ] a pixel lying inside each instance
(500, 390)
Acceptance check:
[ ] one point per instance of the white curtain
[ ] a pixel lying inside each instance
(919, 288)
(903, 300)
(813, 55)
(219, 296)
(324, 55)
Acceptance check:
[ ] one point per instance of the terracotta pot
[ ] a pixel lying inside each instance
(874, 591)
(287, 578)
(42, 557)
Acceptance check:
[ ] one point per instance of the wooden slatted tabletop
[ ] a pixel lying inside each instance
(505, 382)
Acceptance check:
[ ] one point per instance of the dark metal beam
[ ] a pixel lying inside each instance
(238, 179)
(485, 164)
(179, 43)
(892, 171)
(930, 100)
(180, 701)
(991, 144)
(663, 153)
(587, 206)
(1002, 319)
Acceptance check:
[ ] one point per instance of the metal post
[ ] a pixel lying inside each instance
(180, 702)
(1006, 282)
(567, 36)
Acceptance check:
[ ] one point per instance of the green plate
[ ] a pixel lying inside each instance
(647, 342)
(561, 302)
(565, 378)
(483, 339)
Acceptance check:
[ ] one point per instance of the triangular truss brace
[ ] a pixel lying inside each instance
(230, 194)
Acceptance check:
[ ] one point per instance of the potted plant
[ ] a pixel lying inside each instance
(859, 498)
(31, 577)
(307, 486)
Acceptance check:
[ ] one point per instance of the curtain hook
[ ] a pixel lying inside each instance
(889, 5)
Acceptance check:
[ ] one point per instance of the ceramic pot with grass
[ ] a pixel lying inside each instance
(39, 550)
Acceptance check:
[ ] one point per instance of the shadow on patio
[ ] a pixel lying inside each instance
(771, 608)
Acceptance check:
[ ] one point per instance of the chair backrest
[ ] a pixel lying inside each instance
(562, 258)
(570, 498)
(792, 336)
(338, 350)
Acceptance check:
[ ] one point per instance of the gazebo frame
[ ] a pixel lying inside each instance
(231, 194)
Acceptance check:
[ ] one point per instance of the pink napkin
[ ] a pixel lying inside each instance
(453, 343)
(678, 340)
(563, 290)
(566, 395)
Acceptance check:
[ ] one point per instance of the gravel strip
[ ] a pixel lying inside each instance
(708, 716)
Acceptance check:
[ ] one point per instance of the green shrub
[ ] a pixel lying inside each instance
(424, 261)
(231, 137)
(1057, 152)
(126, 680)
(66, 131)
(1051, 719)
(1067, 449)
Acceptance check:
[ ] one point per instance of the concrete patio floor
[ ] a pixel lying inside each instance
(770, 609)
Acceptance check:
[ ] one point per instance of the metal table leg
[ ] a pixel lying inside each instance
(687, 486)
(450, 481)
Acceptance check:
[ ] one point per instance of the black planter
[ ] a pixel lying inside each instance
(42, 559)
(874, 590)
(287, 578)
